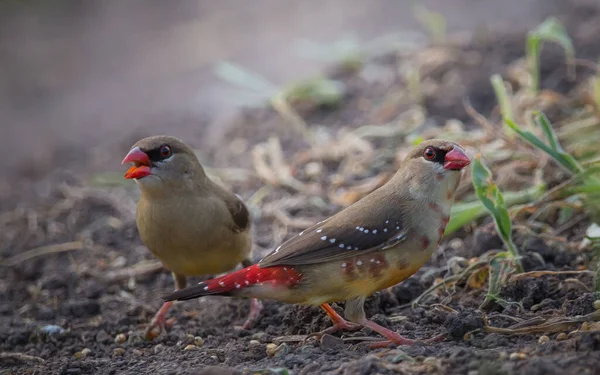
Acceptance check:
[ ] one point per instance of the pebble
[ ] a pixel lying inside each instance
(198, 341)
(277, 351)
(331, 342)
(561, 336)
(73, 371)
(260, 336)
(271, 349)
(120, 338)
(597, 304)
(254, 342)
(118, 352)
(503, 356)
(543, 339)
(190, 347)
(517, 356)
(83, 353)
(52, 330)
(158, 348)
(137, 352)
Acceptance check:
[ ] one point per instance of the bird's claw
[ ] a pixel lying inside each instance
(338, 326)
(157, 326)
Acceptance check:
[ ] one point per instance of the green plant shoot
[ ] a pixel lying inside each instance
(503, 101)
(551, 30)
(493, 200)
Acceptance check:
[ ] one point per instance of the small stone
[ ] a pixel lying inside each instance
(517, 356)
(73, 371)
(271, 348)
(331, 342)
(543, 339)
(137, 352)
(561, 336)
(198, 341)
(503, 356)
(585, 326)
(260, 336)
(79, 355)
(120, 338)
(118, 352)
(597, 304)
(158, 348)
(190, 347)
(277, 351)
(254, 342)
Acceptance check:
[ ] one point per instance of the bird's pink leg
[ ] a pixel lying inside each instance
(392, 337)
(255, 308)
(159, 322)
(339, 323)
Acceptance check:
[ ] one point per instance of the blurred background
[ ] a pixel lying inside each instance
(75, 73)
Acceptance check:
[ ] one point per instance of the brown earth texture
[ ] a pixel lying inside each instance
(77, 286)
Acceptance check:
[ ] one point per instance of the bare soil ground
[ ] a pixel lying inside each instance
(90, 275)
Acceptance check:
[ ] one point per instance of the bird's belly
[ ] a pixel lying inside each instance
(201, 257)
(362, 275)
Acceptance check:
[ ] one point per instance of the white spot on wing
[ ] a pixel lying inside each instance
(385, 229)
(344, 265)
(359, 263)
(372, 260)
(332, 240)
(319, 230)
(324, 238)
(341, 246)
(206, 287)
(221, 283)
(374, 231)
(366, 231)
(387, 221)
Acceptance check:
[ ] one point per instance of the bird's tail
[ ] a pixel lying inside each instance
(239, 280)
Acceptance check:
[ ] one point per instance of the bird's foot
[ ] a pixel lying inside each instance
(393, 337)
(159, 323)
(339, 323)
(255, 308)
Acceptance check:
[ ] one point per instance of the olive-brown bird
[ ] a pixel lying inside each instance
(191, 224)
(371, 245)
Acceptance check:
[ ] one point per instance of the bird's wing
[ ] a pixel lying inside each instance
(239, 213)
(360, 228)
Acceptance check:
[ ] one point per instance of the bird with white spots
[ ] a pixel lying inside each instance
(371, 245)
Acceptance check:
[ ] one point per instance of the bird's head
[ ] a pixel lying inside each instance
(162, 161)
(439, 155)
(433, 166)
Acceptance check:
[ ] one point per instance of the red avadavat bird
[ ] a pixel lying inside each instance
(191, 224)
(371, 245)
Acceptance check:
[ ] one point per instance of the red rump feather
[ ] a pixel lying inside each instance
(276, 276)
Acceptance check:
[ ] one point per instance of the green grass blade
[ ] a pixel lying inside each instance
(551, 30)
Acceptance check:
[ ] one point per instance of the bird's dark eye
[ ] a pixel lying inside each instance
(165, 151)
(429, 153)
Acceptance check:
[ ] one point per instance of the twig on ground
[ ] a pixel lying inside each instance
(42, 250)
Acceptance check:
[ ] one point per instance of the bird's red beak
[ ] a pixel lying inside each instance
(141, 163)
(456, 159)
